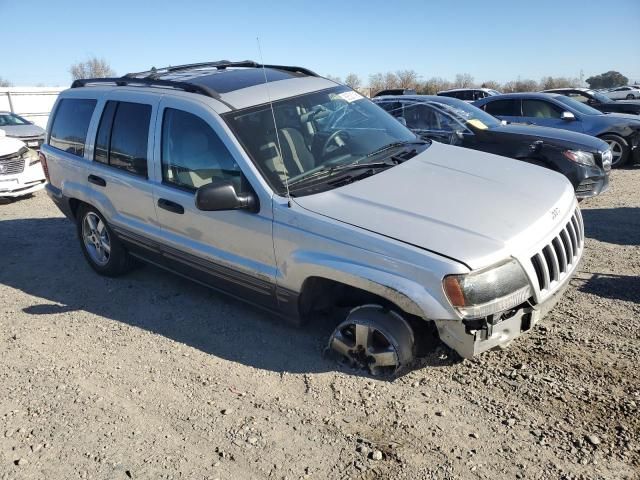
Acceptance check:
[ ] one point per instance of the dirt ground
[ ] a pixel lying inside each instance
(151, 376)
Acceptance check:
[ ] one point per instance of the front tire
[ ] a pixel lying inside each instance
(619, 148)
(374, 339)
(101, 248)
(630, 96)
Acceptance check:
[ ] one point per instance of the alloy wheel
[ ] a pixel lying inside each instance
(616, 151)
(96, 239)
(374, 340)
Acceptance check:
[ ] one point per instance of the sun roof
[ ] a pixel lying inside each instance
(228, 80)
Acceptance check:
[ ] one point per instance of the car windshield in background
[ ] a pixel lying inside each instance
(600, 97)
(319, 132)
(494, 92)
(468, 114)
(580, 107)
(11, 119)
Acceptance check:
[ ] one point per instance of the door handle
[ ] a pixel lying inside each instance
(101, 182)
(170, 206)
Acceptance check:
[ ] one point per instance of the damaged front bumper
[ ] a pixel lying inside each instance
(477, 336)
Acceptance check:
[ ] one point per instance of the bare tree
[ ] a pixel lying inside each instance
(5, 83)
(390, 80)
(521, 86)
(334, 79)
(492, 84)
(463, 80)
(91, 68)
(407, 79)
(376, 83)
(558, 82)
(433, 86)
(353, 81)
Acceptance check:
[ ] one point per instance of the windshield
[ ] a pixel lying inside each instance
(10, 119)
(467, 114)
(316, 132)
(580, 107)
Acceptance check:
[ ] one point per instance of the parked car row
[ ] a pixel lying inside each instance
(583, 159)
(620, 131)
(303, 197)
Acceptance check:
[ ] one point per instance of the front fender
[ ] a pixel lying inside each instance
(407, 294)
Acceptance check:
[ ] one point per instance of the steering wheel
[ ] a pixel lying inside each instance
(333, 138)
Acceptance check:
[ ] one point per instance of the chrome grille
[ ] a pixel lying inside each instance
(10, 165)
(559, 258)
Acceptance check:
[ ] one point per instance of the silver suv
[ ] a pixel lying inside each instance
(301, 196)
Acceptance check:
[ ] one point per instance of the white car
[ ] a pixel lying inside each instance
(624, 93)
(21, 171)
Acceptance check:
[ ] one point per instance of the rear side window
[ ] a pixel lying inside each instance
(123, 136)
(506, 108)
(70, 125)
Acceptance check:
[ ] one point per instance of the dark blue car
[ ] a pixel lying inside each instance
(620, 131)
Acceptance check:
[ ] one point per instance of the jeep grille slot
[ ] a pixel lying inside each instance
(558, 259)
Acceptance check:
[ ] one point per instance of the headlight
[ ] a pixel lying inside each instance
(578, 156)
(31, 156)
(488, 291)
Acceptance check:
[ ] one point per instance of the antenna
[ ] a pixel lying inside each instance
(275, 126)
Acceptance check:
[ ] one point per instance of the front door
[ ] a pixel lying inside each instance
(230, 250)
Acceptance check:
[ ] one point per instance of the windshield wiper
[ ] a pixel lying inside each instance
(389, 146)
(328, 171)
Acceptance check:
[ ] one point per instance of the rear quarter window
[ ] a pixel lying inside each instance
(70, 125)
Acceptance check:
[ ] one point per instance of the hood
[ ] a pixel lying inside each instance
(464, 204)
(620, 118)
(9, 146)
(18, 131)
(625, 102)
(553, 134)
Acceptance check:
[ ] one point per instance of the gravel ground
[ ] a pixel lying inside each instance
(152, 376)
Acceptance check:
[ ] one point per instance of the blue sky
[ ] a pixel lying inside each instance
(491, 40)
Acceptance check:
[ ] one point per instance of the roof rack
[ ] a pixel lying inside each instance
(219, 65)
(149, 82)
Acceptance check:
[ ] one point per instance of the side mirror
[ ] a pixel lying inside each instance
(402, 121)
(568, 116)
(504, 122)
(222, 195)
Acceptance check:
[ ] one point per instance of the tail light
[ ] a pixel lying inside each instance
(43, 160)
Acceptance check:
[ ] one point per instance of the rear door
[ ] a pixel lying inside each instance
(231, 250)
(121, 166)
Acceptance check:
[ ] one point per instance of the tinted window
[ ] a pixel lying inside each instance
(70, 125)
(506, 108)
(422, 117)
(123, 136)
(192, 154)
(394, 108)
(540, 109)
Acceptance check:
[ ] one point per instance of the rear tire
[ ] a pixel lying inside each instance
(619, 148)
(102, 249)
(630, 96)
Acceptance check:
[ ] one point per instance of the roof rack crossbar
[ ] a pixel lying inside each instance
(220, 65)
(149, 82)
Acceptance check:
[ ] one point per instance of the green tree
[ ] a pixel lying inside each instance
(608, 79)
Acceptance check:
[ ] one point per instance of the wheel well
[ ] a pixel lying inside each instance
(74, 205)
(322, 295)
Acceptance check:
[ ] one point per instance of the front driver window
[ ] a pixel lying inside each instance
(422, 117)
(540, 109)
(192, 153)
